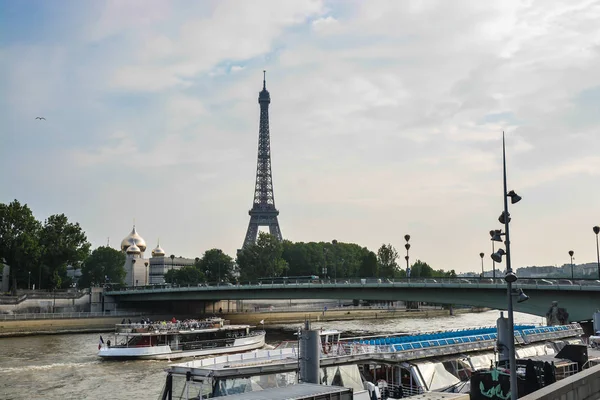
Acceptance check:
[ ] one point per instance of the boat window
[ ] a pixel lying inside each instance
(343, 375)
(436, 376)
(550, 348)
(483, 361)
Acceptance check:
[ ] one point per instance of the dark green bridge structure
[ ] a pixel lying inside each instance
(580, 298)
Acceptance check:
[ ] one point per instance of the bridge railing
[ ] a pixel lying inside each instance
(562, 284)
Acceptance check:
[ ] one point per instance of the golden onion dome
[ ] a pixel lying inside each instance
(133, 249)
(133, 238)
(158, 251)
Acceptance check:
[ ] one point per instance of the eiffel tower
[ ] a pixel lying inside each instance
(263, 212)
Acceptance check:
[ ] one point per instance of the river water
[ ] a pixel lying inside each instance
(66, 367)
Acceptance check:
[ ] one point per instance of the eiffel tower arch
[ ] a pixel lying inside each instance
(263, 211)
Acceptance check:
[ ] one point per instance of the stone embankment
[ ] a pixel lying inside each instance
(57, 326)
(274, 317)
(270, 318)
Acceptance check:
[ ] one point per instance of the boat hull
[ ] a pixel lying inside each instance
(165, 353)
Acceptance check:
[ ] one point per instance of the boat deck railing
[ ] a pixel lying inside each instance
(238, 360)
(164, 327)
(437, 344)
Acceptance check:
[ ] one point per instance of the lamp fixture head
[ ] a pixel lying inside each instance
(407, 246)
(407, 237)
(510, 277)
(571, 252)
(481, 255)
(514, 198)
(522, 297)
(503, 217)
(496, 235)
(596, 229)
(497, 256)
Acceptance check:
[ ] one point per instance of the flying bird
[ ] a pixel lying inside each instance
(40, 118)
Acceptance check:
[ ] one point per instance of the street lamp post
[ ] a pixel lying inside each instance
(407, 246)
(334, 242)
(597, 231)
(510, 276)
(29, 281)
(571, 252)
(172, 257)
(481, 255)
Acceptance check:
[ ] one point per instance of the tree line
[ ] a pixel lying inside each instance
(39, 253)
(269, 257)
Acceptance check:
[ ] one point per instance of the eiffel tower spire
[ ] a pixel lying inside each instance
(263, 212)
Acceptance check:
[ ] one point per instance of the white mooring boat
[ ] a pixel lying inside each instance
(179, 339)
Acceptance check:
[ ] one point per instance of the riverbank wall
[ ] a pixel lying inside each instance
(49, 326)
(274, 318)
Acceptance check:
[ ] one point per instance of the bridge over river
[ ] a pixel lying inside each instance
(580, 298)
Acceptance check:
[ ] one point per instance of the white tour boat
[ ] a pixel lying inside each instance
(178, 339)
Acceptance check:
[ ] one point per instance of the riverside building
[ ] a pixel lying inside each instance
(141, 271)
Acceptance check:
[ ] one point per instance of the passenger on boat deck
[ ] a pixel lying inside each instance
(108, 342)
(173, 320)
(123, 321)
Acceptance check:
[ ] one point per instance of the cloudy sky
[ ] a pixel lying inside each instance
(386, 119)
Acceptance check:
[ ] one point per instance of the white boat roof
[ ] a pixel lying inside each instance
(292, 392)
(258, 361)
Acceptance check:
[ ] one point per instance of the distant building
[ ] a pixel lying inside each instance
(141, 271)
(538, 272)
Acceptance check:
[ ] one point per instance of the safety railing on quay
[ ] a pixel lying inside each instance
(579, 284)
(66, 315)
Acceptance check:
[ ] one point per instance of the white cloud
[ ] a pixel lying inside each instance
(386, 119)
(326, 25)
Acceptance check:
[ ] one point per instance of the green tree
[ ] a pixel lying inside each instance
(262, 259)
(421, 269)
(105, 264)
(386, 259)
(62, 243)
(187, 275)
(216, 266)
(368, 265)
(341, 259)
(19, 245)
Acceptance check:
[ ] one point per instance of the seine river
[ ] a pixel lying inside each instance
(66, 367)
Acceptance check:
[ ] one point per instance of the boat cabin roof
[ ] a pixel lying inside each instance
(252, 363)
(300, 391)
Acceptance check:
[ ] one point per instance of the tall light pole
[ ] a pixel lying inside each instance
(597, 231)
(334, 242)
(510, 276)
(481, 255)
(571, 252)
(172, 257)
(407, 246)
(29, 281)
